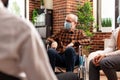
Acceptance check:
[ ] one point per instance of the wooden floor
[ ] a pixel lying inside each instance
(103, 77)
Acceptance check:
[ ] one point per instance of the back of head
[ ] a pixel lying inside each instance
(5, 2)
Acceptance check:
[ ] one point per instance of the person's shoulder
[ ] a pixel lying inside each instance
(61, 30)
(16, 24)
(116, 30)
(22, 22)
(12, 19)
(20, 25)
(18, 20)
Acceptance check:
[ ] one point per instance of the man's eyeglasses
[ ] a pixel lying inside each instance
(69, 21)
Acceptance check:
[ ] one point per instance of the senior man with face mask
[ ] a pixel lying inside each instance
(64, 47)
(22, 50)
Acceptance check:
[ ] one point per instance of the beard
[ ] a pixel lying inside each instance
(5, 2)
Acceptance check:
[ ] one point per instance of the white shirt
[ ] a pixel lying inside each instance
(111, 49)
(21, 48)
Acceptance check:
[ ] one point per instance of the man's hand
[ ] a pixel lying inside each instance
(54, 45)
(69, 45)
(50, 39)
(97, 59)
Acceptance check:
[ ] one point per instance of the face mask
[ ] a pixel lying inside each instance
(67, 25)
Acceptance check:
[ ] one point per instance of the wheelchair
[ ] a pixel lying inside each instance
(82, 65)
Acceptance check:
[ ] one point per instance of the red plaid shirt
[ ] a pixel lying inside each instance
(64, 37)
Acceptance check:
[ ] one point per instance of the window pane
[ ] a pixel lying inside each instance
(108, 10)
(17, 7)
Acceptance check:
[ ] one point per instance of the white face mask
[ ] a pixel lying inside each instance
(67, 25)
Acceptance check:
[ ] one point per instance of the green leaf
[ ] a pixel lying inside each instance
(85, 17)
(34, 15)
(106, 22)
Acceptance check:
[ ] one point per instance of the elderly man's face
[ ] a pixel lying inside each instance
(69, 19)
(69, 23)
(5, 2)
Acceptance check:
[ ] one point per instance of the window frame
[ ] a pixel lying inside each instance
(97, 12)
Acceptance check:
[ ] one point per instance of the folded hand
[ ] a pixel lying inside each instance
(97, 59)
(54, 45)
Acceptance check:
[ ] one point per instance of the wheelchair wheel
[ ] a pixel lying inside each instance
(82, 68)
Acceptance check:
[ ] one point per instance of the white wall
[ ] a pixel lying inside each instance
(48, 4)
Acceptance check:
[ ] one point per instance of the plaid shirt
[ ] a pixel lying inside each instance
(64, 37)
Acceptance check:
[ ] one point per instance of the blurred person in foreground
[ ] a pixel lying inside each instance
(107, 60)
(65, 44)
(22, 50)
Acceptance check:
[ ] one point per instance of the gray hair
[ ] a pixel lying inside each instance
(74, 17)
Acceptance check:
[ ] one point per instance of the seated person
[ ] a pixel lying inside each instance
(64, 47)
(107, 60)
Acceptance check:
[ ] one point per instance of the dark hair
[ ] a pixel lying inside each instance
(5, 2)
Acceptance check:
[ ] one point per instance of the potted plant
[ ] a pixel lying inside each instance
(85, 19)
(106, 25)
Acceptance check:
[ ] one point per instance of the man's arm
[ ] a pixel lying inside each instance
(111, 49)
(49, 39)
(83, 38)
(54, 37)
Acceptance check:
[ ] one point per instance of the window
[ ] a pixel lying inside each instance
(108, 10)
(105, 9)
(19, 7)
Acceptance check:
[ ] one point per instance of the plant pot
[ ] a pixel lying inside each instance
(106, 29)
